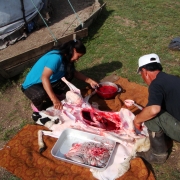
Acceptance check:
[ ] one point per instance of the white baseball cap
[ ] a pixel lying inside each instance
(147, 59)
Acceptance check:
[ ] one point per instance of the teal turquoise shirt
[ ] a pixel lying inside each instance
(51, 60)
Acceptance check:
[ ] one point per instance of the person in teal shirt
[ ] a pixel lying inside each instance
(43, 82)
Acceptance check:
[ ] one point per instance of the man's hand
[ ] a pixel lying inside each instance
(137, 126)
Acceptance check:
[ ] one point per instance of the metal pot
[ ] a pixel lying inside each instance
(107, 90)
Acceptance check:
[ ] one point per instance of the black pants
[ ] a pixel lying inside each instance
(37, 94)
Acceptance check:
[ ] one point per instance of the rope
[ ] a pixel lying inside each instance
(76, 13)
(53, 36)
(24, 16)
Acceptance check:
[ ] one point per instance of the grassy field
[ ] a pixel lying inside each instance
(127, 30)
(124, 31)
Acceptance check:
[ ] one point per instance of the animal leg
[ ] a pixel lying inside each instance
(71, 86)
(41, 144)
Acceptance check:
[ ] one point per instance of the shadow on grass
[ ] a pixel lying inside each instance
(5, 83)
(96, 25)
(98, 72)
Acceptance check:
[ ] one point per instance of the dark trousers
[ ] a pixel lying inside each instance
(38, 96)
(164, 121)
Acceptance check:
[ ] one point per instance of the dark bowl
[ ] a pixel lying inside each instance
(107, 90)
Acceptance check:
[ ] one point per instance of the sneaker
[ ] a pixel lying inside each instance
(34, 108)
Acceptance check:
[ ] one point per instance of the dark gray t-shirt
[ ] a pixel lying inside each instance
(165, 91)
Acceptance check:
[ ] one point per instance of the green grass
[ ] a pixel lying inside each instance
(166, 172)
(9, 133)
(127, 30)
(11, 178)
(124, 31)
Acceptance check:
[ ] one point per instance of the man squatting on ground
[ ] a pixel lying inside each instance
(162, 112)
(43, 83)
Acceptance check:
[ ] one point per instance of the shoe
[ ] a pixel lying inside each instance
(153, 158)
(158, 151)
(34, 108)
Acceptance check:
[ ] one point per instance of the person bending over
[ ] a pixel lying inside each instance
(44, 83)
(162, 112)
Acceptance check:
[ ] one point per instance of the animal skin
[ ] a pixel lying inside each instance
(77, 113)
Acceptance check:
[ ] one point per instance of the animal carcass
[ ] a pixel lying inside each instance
(77, 113)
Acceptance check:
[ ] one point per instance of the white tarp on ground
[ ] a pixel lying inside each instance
(11, 15)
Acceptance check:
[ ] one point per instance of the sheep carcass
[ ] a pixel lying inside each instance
(79, 114)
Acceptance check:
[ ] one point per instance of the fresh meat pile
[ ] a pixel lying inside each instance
(90, 153)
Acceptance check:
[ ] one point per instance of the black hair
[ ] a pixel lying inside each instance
(67, 50)
(152, 67)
